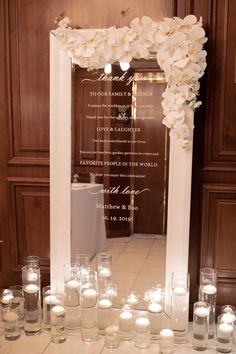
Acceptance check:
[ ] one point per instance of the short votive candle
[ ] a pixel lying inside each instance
(224, 334)
(112, 337)
(11, 322)
(166, 341)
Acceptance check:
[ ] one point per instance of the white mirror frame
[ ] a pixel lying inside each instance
(179, 186)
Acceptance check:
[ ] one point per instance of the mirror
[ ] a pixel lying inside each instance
(119, 171)
(61, 139)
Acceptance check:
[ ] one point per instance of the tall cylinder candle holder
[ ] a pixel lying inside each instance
(155, 315)
(104, 308)
(58, 318)
(48, 300)
(142, 331)
(201, 311)
(126, 323)
(224, 335)
(72, 297)
(207, 293)
(104, 262)
(180, 305)
(32, 304)
(89, 294)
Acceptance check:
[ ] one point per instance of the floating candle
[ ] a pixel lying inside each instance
(31, 288)
(132, 299)
(50, 299)
(125, 321)
(142, 324)
(224, 330)
(57, 312)
(179, 291)
(209, 289)
(89, 298)
(32, 277)
(201, 312)
(104, 304)
(155, 308)
(7, 298)
(73, 284)
(104, 272)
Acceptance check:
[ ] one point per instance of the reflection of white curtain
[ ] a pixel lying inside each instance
(88, 233)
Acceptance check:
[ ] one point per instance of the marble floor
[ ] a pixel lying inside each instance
(41, 344)
(138, 263)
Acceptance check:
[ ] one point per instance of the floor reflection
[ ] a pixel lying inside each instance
(138, 263)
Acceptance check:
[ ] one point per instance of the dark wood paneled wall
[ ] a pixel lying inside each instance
(213, 214)
(24, 126)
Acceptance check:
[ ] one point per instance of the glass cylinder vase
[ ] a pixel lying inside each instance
(201, 311)
(180, 305)
(104, 262)
(32, 303)
(224, 335)
(207, 293)
(58, 318)
(72, 297)
(89, 329)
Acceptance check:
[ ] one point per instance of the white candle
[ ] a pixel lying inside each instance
(32, 277)
(104, 304)
(228, 317)
(31, 288)
(50, 299)
(132, 299)
(10, 316)
(155, 308)
(7, 298)
(72, 293)
(209, 289)
(201, 312)
(104, 272)
(73, 284)
(126, 321)
(166, 341)
(57, 311)
(179, 291)
(89, 298)
(167, 334)
(224, 330)
(142, 324)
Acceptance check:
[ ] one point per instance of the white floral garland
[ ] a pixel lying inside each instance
(178, 44)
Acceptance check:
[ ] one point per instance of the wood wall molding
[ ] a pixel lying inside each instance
(221, 103)
(28, 91)
(29, 215)
(218, 229)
